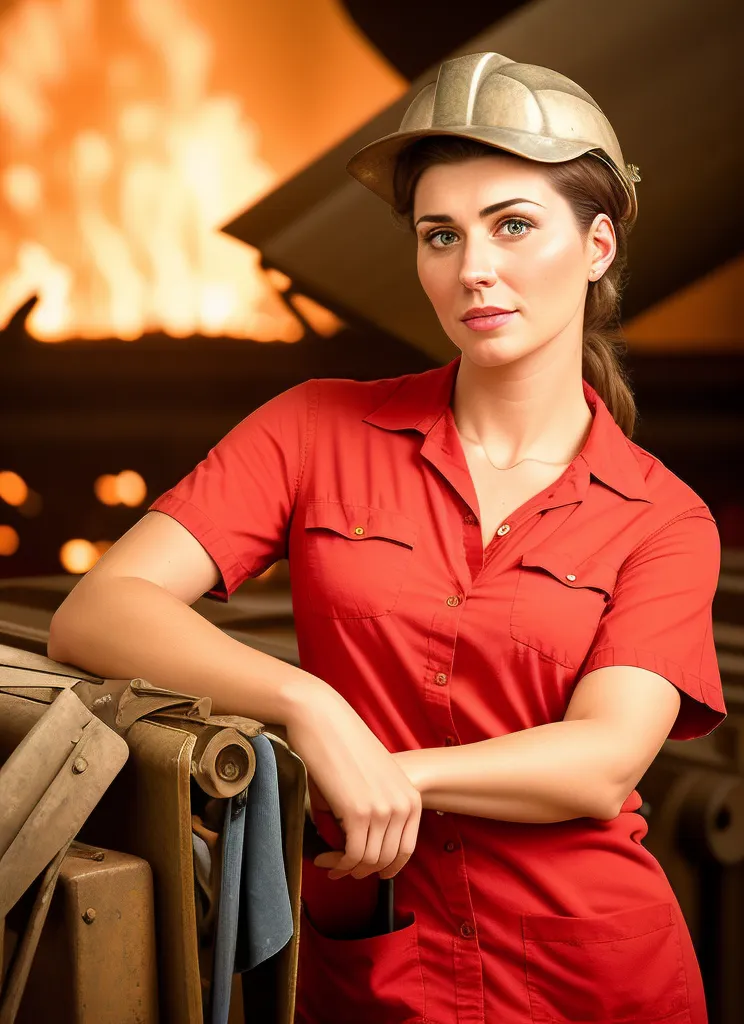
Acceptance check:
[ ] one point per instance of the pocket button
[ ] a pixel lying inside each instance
(467, 930)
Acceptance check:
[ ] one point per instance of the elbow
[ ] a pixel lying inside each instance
(607, 803)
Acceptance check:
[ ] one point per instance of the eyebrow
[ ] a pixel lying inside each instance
(485, 212)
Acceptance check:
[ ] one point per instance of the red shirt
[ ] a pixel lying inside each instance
(365, 488)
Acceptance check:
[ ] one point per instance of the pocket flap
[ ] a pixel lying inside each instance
(361, 522)
(572, 573)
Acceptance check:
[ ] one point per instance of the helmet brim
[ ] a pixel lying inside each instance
(374, 165)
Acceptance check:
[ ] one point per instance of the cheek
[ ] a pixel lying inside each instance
(437, 278)
(556, 267)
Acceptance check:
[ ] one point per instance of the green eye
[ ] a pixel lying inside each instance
(519, 223)
(441, 235)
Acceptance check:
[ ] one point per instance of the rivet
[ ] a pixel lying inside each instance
(90, 915)
(79, 765)
(359, 530)
(228, 770)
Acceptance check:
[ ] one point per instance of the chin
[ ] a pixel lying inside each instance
(493, 349)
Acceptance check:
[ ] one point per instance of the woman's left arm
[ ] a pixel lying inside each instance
(584, 766)
(651, 674)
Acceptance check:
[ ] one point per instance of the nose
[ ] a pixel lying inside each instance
(477, 269)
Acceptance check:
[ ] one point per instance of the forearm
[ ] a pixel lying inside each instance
(547, 773)
(127, 627)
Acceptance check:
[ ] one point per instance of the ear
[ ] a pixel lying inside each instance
(601, 246)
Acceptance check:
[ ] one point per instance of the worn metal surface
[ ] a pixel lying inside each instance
(47, 815)
(96, 962)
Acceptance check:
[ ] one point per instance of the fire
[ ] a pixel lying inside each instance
(119, 164)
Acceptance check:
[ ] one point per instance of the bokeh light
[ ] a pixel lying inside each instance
(9, 540)
(13, 488)
(131, 488)
(127, 488)
(78, 556)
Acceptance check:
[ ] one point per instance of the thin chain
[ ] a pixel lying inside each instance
(504, 469)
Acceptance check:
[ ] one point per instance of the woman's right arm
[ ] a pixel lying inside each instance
(130, 616)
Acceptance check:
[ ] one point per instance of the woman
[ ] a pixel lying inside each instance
(503, 605)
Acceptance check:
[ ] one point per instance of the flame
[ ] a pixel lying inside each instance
(119, 166)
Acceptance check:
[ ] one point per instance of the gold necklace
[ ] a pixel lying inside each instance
(505, 469)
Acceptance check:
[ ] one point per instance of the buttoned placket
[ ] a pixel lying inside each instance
(562, 499)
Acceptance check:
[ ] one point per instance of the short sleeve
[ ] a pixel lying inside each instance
(238, 500)
(660, 618)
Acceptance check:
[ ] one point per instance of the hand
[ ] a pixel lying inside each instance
(368, 793)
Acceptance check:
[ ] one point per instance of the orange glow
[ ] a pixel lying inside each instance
(279, 280)
(131, 488)
(131, 131)
(9, 540)
(102, 546)
(127, 488)
(114, 204)
(13, 489)
(322, 321)
(78, 556)
(107, 490)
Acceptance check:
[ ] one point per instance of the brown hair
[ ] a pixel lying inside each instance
(590, 188)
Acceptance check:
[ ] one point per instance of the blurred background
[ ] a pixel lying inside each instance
(179, 242)
(135, 333)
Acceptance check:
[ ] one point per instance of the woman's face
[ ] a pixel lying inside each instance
(493, 232)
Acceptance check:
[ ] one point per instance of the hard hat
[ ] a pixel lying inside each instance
(524, 109)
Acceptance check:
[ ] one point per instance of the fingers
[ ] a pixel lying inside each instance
(381, 841)
(407, 846)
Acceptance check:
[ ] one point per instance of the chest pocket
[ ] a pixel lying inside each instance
(558, 604)
(356, 558)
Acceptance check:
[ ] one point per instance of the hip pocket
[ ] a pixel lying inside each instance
(359, 981)
(354, 559)
(622, 968)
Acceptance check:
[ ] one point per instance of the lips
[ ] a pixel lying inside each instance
(482, 311)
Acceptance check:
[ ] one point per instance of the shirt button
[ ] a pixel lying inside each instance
(470, 520)
(453, 600)
(467, 930)
(503, 529)
(359, 530)
(450, 847)
(571, 577)
(440, 679)
(440, 812)
(450, 741)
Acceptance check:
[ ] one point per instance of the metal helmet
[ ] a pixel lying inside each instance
(523, 109)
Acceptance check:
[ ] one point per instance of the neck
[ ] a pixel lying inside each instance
(517, 413)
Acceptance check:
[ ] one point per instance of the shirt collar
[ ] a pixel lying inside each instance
(420, 400)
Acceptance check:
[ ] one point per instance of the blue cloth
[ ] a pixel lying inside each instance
(254, 918)
(266, 924)
(226, 930)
